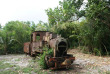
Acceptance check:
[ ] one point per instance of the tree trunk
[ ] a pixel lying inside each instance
(5, 49)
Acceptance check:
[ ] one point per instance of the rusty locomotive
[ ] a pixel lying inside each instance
(59, 45)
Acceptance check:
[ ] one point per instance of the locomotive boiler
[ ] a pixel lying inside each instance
(59, 45)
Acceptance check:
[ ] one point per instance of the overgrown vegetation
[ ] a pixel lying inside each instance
(92, 32)
(42, 61)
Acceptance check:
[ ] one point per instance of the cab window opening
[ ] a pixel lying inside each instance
(37, 37)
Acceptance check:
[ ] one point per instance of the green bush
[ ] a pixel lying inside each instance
(97, 51)
(42, 62)
(95, 38)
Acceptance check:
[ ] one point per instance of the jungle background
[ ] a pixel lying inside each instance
(84, 25)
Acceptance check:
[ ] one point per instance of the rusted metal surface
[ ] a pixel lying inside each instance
(26, 47)
(60, 62)
(35, 45)
(60, 58)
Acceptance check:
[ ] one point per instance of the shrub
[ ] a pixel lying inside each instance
(42, 61)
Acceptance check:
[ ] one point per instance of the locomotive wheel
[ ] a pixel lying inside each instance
(49, 64)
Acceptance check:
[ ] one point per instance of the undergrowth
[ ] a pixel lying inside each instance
(42, 61)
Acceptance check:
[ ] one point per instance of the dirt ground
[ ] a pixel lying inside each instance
(90, 64)
(84, 63)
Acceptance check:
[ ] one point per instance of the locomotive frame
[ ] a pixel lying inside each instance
(40, 39)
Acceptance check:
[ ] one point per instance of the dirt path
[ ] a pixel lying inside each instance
(84, 63)
(91, 64)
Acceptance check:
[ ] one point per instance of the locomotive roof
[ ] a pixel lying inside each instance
(40, 31)
(43, 31)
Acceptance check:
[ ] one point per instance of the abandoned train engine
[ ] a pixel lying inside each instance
(40, 39)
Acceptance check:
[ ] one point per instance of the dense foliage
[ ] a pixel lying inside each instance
(13, 35)
(97, 37)
(62, 19)
(92, 33)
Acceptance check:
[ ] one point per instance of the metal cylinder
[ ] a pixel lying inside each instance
(59, 45)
